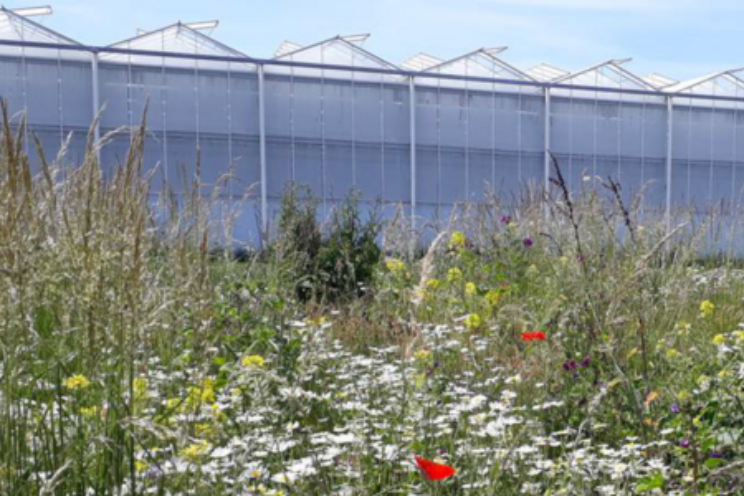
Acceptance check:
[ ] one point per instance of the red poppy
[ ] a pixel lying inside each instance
(435, 471)
(534, 336)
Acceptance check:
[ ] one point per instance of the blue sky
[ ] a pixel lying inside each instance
(678, 38)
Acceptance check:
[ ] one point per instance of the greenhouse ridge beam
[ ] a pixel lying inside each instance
(392, 72)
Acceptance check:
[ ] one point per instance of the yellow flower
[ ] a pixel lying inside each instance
(473, 321)
(140, 466)
(89, 412)
(683, 395)
(651, 398)
(683, 327)
(254, 474)
(419, 380)
(218, 414)
(706, 309)
(195, 451)
(457, 240)
(203, 394)
(252, 362)
(454, 274)
(433, 284)
(724, 373)
(672, 353)
(471, 289)
(77, 382)
(174, 403)
(316, 322)
(563, 260)
(719, 339)
(739, 335)
(140, 388)
(395, 265)
(493, 296)
(422, 355)
(204, 430)
(422, 294)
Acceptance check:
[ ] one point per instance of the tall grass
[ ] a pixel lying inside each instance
(91, 283)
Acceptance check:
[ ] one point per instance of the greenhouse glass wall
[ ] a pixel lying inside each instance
(427, 135)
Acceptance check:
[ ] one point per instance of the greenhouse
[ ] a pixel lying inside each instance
(427, 134)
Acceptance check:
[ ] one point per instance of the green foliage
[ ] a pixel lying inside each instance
(334, 265)
(349, 254)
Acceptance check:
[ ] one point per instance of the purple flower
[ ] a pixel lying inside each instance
(527, 242)
(715, 454)
(685, 443)
(675, 408)
(506, 219)
(586, 362)
(569, 365)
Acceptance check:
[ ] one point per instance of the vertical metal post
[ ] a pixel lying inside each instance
(262, 153)
(669, 144)
(96, 103)
(546, 146)
(412, 134)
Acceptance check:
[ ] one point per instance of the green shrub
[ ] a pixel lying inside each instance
(333, 265)
(349, 253)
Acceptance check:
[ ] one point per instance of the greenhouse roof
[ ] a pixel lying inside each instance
(609, 74)
(480, 63)
(16, 25)
(546, 73)
(180, 38)
(724, 83)
(420, 62)
(286, 48)
(339, 50)
(660, 81)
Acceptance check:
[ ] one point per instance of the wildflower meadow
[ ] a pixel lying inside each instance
(558, 342)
